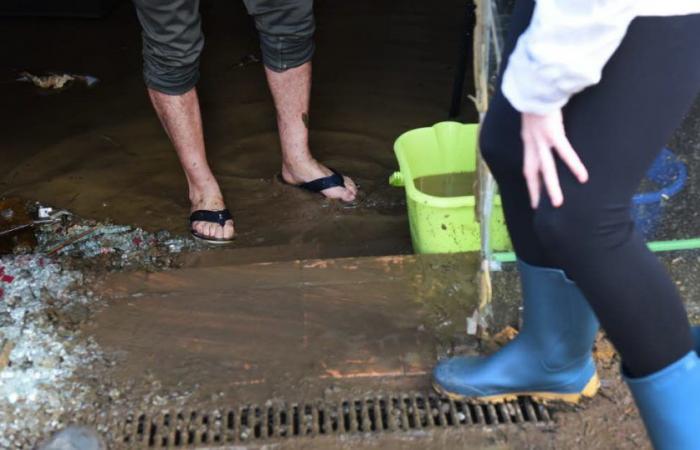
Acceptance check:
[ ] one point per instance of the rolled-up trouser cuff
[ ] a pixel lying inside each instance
(172, 44)
(280, 53)
(170, 80)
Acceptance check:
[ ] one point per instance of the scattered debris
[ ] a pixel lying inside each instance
(57, 81)
(109, 140)
(15, 229)
(603, 350)
(117, 246)
(5, 350)
(247, 60)
(45, 299)
(16, 222)
(489, 344)
(35, 387)
(476, 324)
(47, 214)
(75, 438)
(71, 240)
(505, 335)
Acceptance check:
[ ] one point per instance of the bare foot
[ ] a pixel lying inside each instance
(313, 170)
(211, 202)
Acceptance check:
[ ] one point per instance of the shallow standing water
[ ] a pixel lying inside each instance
(380, 68)
(447, 185)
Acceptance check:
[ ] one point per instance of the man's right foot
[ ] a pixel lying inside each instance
(206, 229)
(312, 170)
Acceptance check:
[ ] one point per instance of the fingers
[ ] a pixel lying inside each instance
(548, 169)
(531, 171)
(542, 135)
(567, 153)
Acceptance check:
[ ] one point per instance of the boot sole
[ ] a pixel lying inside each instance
(588, 391)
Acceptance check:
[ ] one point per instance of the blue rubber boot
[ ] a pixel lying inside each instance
(550, 359)
(669, 402)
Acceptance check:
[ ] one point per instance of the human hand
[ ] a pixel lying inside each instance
(542, 136)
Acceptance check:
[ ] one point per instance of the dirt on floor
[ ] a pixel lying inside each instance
(99, 326)
(351, 328)
(101, 347)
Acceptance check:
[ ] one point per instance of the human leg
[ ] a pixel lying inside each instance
(172, 44)
(286, 30)
(551, 357)
(618, 127)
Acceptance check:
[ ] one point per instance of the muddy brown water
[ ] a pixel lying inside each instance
(457, 184)
(102, 153)
(15, 226)
(380, 68)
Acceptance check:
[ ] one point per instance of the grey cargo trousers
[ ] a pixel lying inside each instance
(173, 39)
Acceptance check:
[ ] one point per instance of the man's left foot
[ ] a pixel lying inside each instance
(299, 175)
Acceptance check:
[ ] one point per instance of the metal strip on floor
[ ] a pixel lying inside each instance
(277, 420)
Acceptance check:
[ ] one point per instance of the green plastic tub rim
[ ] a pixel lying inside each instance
(443, 224)
(398, 178)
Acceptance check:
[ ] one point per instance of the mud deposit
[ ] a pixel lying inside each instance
(48, 368)
(102, 346)
(92, 337)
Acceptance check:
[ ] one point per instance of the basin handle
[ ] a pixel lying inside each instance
(396, 180)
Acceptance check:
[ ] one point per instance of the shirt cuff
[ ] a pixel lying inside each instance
(529, 88)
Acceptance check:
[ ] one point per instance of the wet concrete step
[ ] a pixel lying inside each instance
(236, 254)
(295, 329)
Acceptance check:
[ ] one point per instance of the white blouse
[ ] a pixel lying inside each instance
(567, 44)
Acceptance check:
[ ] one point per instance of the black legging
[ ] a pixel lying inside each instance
(617, 127)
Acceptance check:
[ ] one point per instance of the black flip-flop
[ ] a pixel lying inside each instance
(319, 185)
(204, 215)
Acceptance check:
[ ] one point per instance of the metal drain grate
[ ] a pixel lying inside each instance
(255, 423)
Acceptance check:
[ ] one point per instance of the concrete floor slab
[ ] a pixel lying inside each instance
(263, 330)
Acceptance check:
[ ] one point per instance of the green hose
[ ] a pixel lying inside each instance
(658, 246)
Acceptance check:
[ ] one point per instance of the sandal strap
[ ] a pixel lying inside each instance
(321, 184)
(203, 215)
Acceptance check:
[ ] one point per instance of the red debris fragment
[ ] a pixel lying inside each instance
(137, 241)
(5, 278)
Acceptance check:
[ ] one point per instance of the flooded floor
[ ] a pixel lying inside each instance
(101, 151)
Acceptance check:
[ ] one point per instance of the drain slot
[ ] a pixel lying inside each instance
(370, 415)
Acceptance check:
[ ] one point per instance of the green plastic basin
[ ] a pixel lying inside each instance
(443, 224)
